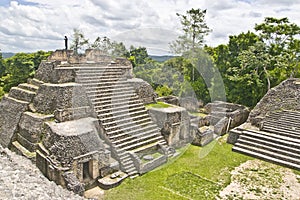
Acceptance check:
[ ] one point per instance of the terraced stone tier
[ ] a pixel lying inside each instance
(128, 126)
(278, 141)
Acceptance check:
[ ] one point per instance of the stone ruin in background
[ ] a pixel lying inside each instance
(272, 131)
(82, 120)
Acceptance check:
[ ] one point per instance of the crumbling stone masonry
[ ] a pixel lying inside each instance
(82, 120)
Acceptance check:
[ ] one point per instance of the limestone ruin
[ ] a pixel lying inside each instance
(272, 130)
(82, 120)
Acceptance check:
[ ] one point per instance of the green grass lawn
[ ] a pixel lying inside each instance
(190, 176)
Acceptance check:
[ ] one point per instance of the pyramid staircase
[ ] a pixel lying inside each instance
(278, 140)
(127, 125)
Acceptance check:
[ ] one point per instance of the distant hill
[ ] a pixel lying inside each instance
(161, 58)
(7, 54)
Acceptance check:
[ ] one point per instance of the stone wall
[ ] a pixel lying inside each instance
(59, 96)
(285, 96)
(174, 123)
(143, 90)
(52, 72)
(71, 139)
(10, 111)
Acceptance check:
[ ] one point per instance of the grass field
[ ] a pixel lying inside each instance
(198, 173)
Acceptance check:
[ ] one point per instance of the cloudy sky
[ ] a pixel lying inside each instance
(31, 25)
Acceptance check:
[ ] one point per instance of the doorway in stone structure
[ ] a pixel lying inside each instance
(86, 170)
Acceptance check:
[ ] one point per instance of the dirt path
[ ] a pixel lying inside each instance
(257, 179)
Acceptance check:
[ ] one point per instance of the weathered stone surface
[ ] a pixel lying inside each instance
(175, 124)
(20, 179)
(238, 117)
(217, 110)
(285, 96)
(10, 113)
(31, 125)
(169, 99)
(59, 96)
(69, 114)
(203, 135)
(73, 184)
(53, 72)
(221, 127)
(21, 94)
(68, 140)
(143, 90)
(189, 103)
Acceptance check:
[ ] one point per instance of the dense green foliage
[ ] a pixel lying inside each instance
(250, 64)
(18, 68)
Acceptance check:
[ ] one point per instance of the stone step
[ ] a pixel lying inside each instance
(35, 82)
(142, 143)
(244, 138)
(127, 129)
(124, 108)
(283, 124)
(273, 138)
(101, 72)
(136, 139)
(134, 176)
(92, 82)
(128, 124)
(152, 127)
(21, 94)
(95, 94)
(100, 105)
(280, 149)
(149, 146)
(129, 167)
(126, 160)
(269, 157)
(126, 119)
(105, 79)
(98, 75)
(18, 148)
(100, 65)
(29, 87)
(98, 90)
(285, 113)
(107, 98)
(120, 116)
(111, 102)
(283, 132)
(108, 114)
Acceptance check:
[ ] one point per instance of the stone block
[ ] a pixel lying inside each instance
(31, 126)
(59, 96)
(189, 103)
(72, 183)
(203, 136)
(71, 139)
(175, 124)
(143, 90)
(21, 94)
(221, 127)
(170, 100)
(11, 111)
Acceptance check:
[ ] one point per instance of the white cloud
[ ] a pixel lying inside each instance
(42, 24)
